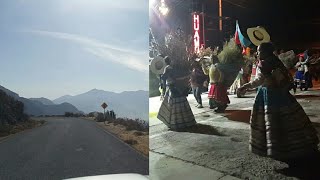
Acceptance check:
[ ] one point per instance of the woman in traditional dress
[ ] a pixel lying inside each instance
(279, 126)
(175, 111)
(218, 97)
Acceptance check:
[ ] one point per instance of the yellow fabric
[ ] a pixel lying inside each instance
(214, 73)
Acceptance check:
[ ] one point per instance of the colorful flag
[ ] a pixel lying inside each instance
(236, 38)
(238, 35)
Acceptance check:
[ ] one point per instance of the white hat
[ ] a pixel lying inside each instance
(258, 35)
(157, 65)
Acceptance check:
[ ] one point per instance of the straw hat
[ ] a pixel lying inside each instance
(258, 35)
(157, 65)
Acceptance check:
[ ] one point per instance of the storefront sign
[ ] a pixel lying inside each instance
(196, 34)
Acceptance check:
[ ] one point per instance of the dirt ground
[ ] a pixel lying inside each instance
(137, 139)
(13, 129)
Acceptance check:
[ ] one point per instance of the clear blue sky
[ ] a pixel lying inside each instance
(53, 48)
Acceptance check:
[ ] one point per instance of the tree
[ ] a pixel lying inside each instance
(108, 115)
(11, 110)
(100, 117)
(112, 115)
(91, 114)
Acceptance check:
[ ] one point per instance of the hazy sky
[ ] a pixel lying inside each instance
(53, 48)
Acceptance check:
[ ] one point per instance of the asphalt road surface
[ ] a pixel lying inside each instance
(66, 148)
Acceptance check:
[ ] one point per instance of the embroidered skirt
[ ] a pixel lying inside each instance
(279, 126)
(218, 93)
(175, 112)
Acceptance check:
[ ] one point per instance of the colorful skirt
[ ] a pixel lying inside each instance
(279, 126)
(218, 92)
(175, 112)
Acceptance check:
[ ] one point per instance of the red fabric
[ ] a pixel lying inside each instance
(219, 93)
(244, 52)
(301, 55)
(236, 38)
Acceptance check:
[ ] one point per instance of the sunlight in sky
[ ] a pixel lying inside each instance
(55, 47)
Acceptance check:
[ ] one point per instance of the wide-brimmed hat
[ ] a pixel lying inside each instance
(157, 65)
(258, 35)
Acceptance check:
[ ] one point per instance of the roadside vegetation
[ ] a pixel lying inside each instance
(12, 118)
(134, 132)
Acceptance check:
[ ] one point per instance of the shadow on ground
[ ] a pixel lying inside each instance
(306, 96)
(202, 129)
(303, 168)
(247, 96)
(238, 115)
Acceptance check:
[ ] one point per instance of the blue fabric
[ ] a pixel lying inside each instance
(273, 97)
(197, 94)
(244, 41)
(300, 75)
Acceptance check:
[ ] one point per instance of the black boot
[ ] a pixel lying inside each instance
(221, 108)
(213, 104)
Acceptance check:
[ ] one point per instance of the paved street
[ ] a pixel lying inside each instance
(218, 147)
(65, 148)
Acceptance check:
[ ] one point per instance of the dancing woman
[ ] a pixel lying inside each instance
(279, 126)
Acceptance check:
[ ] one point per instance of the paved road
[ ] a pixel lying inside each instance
(65, 148)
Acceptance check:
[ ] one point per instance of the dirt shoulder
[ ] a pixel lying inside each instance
(7, 130)
(137, 139)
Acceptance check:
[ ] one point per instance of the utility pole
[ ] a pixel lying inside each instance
(203, 30)
(220, 15)
(220, 21)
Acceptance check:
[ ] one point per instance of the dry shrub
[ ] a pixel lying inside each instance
(178, 48)
(131, 141)
(130, 124)
(138, 133)
(231, 53)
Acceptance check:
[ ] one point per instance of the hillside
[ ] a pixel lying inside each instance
(37, 108)
(131, 104)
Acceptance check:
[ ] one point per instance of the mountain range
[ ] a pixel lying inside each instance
(41, 106)
(130, 104)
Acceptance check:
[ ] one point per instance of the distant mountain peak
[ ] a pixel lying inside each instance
(43, 100)
(131, 104)
(95, 90)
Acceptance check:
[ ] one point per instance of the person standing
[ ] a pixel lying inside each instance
(218, 97)
(279, 127)
(197, 80)
(299, 79)
(175, 111)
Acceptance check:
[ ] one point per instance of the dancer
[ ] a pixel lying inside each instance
(175, 111)
(279, 126)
